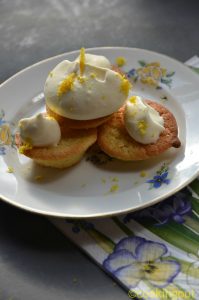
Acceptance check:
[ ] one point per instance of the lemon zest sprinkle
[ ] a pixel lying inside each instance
(120, 61)
(66, 85)
(93, 75)
(114, 188)
(10, 170)
(81, 79)
(82, 61)
(142, 126)
(143, 174)
(133, 99)
(25, 147)
(125, 86)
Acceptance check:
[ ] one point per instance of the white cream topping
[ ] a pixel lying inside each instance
(143, 123)
(40, 131)
(95, 92)
(96, 60)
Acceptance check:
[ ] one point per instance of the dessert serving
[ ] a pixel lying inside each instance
(87, 101)
(113, 116)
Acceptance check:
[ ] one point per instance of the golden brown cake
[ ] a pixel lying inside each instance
(76, 124)
(115, 141)
(68, 152)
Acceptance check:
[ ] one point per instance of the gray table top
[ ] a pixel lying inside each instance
(36, 261)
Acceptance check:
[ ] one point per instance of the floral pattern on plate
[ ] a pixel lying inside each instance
(6, 135)
(160, 178)
(151, 73)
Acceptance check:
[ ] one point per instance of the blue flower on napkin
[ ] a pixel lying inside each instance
(175, 208)
(78, 225)
(135, 259)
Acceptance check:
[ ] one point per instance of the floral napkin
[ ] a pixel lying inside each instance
(152, 253)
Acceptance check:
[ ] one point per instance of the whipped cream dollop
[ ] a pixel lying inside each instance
(39, 131)
(143, 123)
(96, 60)
(86, 88)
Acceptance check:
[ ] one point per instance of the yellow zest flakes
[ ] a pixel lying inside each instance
(5, 135)
(10, 170)
(142, 126)
(51, 74)
(81, 79)
(115, 179)
(66, 85)
(143, 174)
(82, 61)
(93, 75)
(125, 86)
(133, 99)
(25, 147)
(120, 61)
(114, 188)
(39, 177)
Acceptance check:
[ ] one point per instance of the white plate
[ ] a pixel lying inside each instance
(89, 190)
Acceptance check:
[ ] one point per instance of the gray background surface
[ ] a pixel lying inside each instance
(36, 261)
